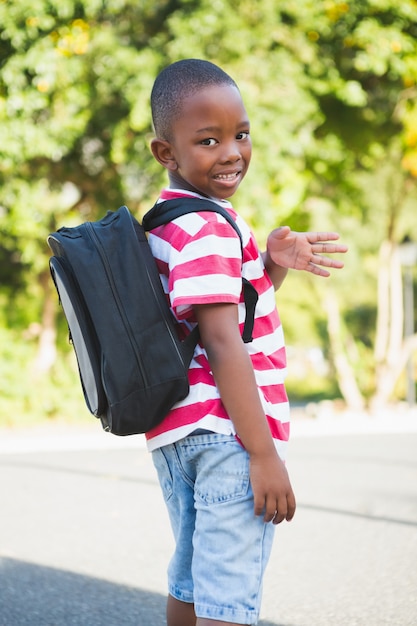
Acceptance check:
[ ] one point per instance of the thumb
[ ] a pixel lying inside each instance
(281, 232)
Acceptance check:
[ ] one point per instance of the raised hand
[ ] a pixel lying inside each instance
(303, 251)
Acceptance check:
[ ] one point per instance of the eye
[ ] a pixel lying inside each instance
(243, 135)
(208, 142)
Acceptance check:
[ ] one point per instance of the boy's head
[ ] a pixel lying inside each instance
(175, 84)
(202, 128)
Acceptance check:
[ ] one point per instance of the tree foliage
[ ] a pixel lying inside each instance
(331, 92)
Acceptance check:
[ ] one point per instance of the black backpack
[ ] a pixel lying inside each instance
(132, 366)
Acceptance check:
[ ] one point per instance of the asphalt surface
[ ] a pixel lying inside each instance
(85, 539)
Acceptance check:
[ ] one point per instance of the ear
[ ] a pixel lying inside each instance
(164, 154)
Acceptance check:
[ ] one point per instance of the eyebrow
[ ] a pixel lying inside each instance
(209, 129)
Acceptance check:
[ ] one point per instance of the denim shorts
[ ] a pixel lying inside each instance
(222, 548)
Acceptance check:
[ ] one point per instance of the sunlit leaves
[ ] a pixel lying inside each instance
(330, 88)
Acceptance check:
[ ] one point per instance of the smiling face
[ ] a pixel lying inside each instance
(210, 147)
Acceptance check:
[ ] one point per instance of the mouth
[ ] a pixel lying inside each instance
(230, 177)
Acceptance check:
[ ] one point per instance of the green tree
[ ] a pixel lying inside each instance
(331, 92)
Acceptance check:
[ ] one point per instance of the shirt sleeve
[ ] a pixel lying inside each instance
(205, 265)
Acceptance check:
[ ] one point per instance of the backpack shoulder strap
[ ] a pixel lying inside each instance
(168, 210)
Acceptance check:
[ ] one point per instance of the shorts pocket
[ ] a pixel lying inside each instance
(223, 473)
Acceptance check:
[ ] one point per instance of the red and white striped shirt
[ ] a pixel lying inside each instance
(199, 259)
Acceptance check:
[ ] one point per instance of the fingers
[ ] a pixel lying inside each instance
(281, 513)
(281, 232)
(290, 508)
(319, 245)
(322, 236)
(259, 507)
(276, 511)
(326, 261)
(318, 271)
(272, 492)
(328, 248)
(317, 262)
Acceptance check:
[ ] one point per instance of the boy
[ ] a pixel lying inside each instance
(219, 453)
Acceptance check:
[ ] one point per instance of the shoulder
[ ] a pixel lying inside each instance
(203, 223)
(200, 228)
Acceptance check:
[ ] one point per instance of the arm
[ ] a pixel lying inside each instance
(235, 379)
(301, 251)
(276, 272)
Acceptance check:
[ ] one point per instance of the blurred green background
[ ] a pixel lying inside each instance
(331, 90)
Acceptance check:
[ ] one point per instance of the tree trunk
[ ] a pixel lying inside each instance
(344, 371)
(391, 351)
(389, 374)
(46, 353)
(383, 310)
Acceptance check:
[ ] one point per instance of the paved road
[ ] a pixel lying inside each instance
(85, 540)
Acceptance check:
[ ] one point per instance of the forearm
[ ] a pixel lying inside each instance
(275, 272)
(273, 495)
(235, 379)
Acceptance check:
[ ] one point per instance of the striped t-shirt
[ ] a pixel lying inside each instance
(199, 258)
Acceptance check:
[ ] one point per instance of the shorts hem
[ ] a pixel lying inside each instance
(182, 596)
(226, 614)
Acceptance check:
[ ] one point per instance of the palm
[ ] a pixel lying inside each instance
(303, 251)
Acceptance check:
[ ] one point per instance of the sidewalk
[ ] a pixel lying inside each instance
(89, 435)
(85, 537)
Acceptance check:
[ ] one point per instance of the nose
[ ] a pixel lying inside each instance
(231, 152)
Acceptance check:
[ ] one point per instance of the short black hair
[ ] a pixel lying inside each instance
(175, 83)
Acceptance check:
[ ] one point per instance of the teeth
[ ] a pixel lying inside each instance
(226, 176)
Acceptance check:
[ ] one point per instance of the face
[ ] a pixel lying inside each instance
(211, 146)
